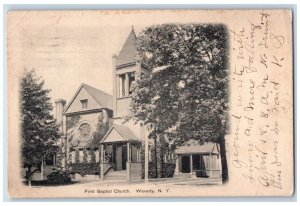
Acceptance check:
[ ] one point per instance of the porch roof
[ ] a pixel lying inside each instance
(119, 133)
(197, 148)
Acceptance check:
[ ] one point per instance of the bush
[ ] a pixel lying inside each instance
(58, 177)
(152, 170)
(168, 169)
(165, 171)
(85, 168)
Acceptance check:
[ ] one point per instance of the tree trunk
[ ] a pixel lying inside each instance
(223, 159)
(29, 175)
(42, 169)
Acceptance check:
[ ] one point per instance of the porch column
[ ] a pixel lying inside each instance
(129, 151)
(102, 161)
(177, 165)
(210, 165)
(191, 164)
(138, 150)
(128, 160)
(126, 84)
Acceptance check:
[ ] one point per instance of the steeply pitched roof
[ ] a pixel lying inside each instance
(124, 131)
(128, 51)
(194, 148)
(104, 100)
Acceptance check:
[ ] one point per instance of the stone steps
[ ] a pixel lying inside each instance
(116, 175)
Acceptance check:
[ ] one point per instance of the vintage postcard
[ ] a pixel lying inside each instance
(150, 103)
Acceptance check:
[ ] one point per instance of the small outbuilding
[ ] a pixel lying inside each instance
(202, 160)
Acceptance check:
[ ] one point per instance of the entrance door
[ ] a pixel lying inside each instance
(185, 162)
(124, 157)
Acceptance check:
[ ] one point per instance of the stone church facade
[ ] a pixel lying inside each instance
(99, 145)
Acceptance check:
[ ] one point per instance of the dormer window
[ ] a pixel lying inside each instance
(84, 103)
(125, 82)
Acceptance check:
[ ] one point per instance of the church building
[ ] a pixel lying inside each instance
(97, 144)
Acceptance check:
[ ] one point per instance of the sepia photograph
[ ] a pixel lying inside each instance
(150, 103)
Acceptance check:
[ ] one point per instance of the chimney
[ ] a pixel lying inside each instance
(59, 110)
(114, 59)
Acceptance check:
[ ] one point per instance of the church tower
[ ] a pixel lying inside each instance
(125, 71)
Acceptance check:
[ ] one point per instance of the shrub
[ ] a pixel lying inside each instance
(167, 170)
(58, 177)
(152, 170)
(85, 168)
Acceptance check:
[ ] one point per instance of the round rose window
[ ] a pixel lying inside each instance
(84, 130)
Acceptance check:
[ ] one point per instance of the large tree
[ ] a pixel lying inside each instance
(39, 131)
(183, 92)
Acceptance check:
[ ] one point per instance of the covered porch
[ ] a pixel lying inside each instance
(200, 160)
(120, 151)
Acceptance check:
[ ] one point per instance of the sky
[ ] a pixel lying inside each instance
(67, 50)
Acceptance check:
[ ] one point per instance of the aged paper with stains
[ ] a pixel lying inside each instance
(67, 48)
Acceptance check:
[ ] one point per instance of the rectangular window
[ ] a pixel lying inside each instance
(84, 103)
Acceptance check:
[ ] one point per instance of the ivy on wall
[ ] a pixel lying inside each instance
(72, 121)
(100, 131)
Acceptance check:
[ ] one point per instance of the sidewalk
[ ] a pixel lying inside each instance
(187, 181)
(159, 181)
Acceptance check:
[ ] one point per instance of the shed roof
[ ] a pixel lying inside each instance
(197, 148)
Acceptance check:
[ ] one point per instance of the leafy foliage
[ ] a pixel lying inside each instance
(167, 170)
(85, 168)
(157, 168)
(58, 177)
(73, 133)
(39, 132)
(183, 92)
